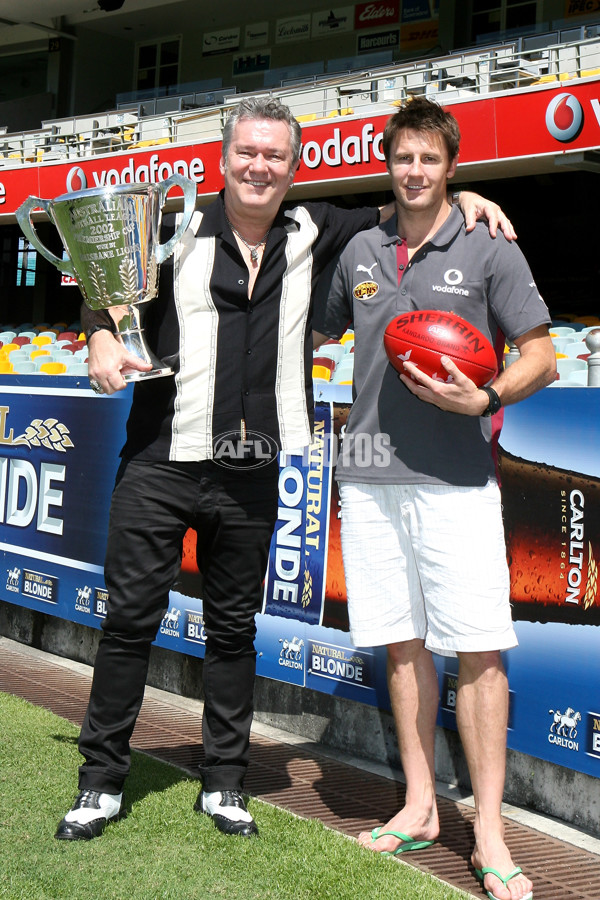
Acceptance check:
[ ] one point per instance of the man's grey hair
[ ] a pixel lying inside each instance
(263, 108)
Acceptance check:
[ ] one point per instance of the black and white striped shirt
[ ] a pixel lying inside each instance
(236, 360)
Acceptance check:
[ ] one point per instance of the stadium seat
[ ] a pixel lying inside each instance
(564, 367)
(78, 369)
(40, 354)
(576, 349)
(53, 368)
(561, 331)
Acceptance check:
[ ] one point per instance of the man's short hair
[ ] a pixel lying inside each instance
(421, 114)
(263, 108)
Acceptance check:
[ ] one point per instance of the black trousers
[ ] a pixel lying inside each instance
(153, 504)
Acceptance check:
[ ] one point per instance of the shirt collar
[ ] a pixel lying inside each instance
(443, 236)
(214, 223)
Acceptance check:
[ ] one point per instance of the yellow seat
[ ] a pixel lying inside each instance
(321, 372)
(37, 353)
(5, 367)
(8, 348)
(53, 368)
(41, 339)
(150, 143)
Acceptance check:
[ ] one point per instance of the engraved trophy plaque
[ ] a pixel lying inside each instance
(112, 239)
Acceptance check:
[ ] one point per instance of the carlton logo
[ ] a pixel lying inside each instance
(564, 117)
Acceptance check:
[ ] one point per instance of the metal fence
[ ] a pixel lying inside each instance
(464, 75)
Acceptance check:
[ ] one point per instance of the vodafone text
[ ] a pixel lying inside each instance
(356, 148)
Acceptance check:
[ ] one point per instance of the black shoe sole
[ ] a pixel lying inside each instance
(225, 825)
(73, 831)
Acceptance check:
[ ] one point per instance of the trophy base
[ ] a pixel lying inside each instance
(145, 376)
(134, 343)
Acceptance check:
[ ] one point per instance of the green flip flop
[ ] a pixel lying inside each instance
(481, 873)
(407, 844)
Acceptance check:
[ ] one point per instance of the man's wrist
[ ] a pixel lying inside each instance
(494, 403)
(94, 328)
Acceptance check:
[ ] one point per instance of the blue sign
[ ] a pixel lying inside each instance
(59, 447)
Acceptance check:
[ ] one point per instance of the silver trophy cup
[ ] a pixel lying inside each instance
(112, 239)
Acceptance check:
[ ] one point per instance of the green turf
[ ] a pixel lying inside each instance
(163, 850)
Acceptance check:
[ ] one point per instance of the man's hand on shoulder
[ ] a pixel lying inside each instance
(386, 212)
(474, 207)
(109, 361)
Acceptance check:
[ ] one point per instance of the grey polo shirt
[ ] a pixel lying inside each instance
(486, 281)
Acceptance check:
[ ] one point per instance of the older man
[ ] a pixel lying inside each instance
(233, 318)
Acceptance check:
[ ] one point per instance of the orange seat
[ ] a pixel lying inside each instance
(53, 368)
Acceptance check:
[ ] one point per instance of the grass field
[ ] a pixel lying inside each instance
(163, 850)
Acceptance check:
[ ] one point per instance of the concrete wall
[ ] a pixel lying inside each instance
(354, 729)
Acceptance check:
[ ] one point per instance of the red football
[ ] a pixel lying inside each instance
(424, 335)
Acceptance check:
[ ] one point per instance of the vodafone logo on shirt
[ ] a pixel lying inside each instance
(564, 117)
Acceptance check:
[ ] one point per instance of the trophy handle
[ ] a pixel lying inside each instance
(163, 251)
(23, 216)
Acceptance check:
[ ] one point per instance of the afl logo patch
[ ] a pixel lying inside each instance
(365, 290)
(564, 117)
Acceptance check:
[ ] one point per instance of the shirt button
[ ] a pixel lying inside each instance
(246, 393)
(249, 352)
(401, 267)
(241, 281)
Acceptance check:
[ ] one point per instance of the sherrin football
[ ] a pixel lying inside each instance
(422, 336)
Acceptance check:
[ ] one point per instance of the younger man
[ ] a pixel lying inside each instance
(422, 537)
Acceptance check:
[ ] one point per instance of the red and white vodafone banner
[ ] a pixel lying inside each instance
(544, 121)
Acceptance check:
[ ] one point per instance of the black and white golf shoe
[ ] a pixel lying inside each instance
(228, 812)
(89, 816)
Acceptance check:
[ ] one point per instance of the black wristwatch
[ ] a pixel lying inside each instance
(494, 402)
(94, 328)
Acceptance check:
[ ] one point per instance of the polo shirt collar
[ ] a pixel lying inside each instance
(442, 237)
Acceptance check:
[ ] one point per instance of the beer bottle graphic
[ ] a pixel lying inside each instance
(552, 527)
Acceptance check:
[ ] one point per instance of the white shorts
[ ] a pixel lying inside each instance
(426, 561)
